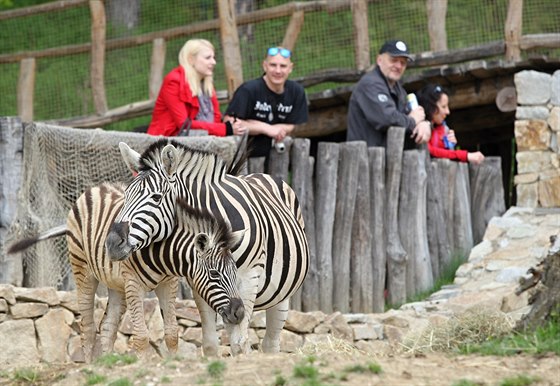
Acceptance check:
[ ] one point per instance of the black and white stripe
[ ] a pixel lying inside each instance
(273, 256)
(198, 248)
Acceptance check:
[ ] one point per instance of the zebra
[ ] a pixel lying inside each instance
(199, 249)
(272, 258)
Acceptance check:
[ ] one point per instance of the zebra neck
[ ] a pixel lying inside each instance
(202, 168)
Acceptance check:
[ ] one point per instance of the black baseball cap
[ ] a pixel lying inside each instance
(395, 48)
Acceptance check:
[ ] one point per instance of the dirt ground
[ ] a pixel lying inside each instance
(323, 368)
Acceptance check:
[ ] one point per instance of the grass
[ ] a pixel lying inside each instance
(113, 359)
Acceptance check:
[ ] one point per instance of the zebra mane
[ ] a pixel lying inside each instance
(151, 155)
(200, 220)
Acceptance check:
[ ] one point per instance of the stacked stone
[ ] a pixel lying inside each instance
(537, 129)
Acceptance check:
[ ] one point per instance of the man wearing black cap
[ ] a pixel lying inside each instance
(379, 102)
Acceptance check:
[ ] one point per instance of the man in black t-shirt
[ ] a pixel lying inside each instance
(269, 107)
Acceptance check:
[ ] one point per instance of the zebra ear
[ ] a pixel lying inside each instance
(202, 242)
(130, 157)
(169, 159)
(237, 238)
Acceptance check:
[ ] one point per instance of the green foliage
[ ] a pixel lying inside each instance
(465, 382)
(544, 339)
(121, 382)
(94, 378)
(520, 380)
(216, 369)
(373, 368)
(27, 375)
(113, 359)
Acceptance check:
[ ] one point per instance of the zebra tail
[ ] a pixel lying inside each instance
(29, 241)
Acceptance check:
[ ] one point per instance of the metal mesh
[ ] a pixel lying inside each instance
(325, 41)
(59, 164)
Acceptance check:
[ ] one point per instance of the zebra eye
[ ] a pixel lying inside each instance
(214, 274)
(157, 197)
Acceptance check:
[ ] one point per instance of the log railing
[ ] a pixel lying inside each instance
(514, 42)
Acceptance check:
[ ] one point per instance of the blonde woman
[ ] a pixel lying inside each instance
(187, 97)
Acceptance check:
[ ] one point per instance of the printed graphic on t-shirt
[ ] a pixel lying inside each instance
(265, 111)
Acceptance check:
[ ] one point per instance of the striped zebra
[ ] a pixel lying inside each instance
(273, 257)
(199, 249)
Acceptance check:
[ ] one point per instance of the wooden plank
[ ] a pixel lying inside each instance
(300, 165)
(530, 42)
(348, 173)
(462, 224)
(326, 183)
(52, 6)
(361, 288)
(376, 156)
(437, 12)
(362, 55)
(157, 64)
(11, 173)
(25, 89)
(310, 293)
(396, 254)
(230, 45)
(513, 30)
(293, 30)
(482, 51)
(97, 75)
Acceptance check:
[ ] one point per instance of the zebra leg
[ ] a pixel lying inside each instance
(166, 293)
(135, 304)
(275, 319)
(111, 319)
(210, 341)
(85, 293)
(248, 289)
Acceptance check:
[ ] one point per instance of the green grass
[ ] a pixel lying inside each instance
(27, 375)
(545, 339)
(216, 369)
(112, 360)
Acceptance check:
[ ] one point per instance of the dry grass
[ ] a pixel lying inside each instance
(474, 326)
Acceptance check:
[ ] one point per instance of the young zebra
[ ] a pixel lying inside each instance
(197, 249)
(272, 258)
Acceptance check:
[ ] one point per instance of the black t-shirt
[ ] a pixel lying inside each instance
(254, 100)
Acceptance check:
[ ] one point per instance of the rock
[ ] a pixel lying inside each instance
(52, 329)
(19, 345)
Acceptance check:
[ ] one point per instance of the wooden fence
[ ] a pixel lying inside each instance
(383, 224)
(510, 47)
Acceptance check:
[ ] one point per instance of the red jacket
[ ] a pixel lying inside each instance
(175, 102)
(437, 147)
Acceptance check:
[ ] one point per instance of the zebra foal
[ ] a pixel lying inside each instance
(273, 256)
(197, 249)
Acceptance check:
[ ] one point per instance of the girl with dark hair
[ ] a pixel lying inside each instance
(435, 101)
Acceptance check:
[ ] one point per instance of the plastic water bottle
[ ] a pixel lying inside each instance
(448, 145)
(412, 101)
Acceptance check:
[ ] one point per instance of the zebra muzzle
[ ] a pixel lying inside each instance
(234, 313)
(116, 244)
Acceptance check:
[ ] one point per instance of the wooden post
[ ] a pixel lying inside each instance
(157, 65)
(293, 30)
(230, 45)
(348, 174)
(279, 163)
(462, 224)
(361, 35)
(376, 157)
(360, 250)
(25, 89)
(396, 255)
(325, 200)
(11, 162)
(98, 33)
(513, 30)
(413, 222)
(437, 11)
(300, 164)
(310, 293)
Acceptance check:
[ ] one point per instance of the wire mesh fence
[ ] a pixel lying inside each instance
(62, 83)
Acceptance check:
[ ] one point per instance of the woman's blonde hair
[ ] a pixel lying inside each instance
(190, 50)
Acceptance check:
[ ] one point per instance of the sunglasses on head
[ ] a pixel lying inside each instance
(273, 51)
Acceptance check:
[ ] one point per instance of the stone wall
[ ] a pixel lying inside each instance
(537, 129)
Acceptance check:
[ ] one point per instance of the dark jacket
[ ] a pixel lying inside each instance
(374, 107)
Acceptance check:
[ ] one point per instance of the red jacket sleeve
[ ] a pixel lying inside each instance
(437, 148)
